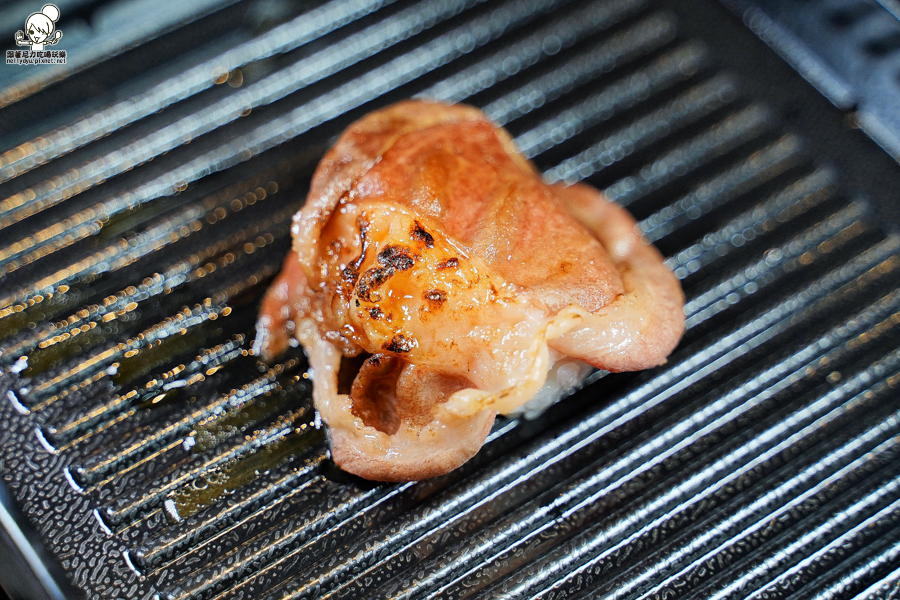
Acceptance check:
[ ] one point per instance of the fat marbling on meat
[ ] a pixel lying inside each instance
(435, 280)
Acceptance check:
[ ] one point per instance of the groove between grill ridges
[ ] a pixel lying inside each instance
(634, 43)
(678, 65)
(820, 239)
(789, 501)
(757, 169)
(882, 589)
(737, 593)
(265, 497)
(857, 512)
(225, 363)
(723, 137)
(688, 108)
(849, 578)
(101, 48)
(101, 363)
(126, 356)
(103, 463)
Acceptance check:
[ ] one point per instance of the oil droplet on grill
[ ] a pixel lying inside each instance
(204, 491)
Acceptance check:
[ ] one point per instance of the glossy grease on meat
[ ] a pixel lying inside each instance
(431, 246)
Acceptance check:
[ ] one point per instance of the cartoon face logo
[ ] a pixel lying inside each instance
(40, 29)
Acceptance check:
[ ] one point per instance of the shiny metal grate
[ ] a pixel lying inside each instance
(153, 456)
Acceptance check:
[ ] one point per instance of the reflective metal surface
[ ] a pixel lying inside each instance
(145, 201)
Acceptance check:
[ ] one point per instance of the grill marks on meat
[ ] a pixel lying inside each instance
(419, 233)
(393, 259)
(428, 242)
(370, 281)
(400, 344)
(397, 258)
(436, 297)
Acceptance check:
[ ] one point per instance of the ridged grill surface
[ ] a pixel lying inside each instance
(154, 455)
